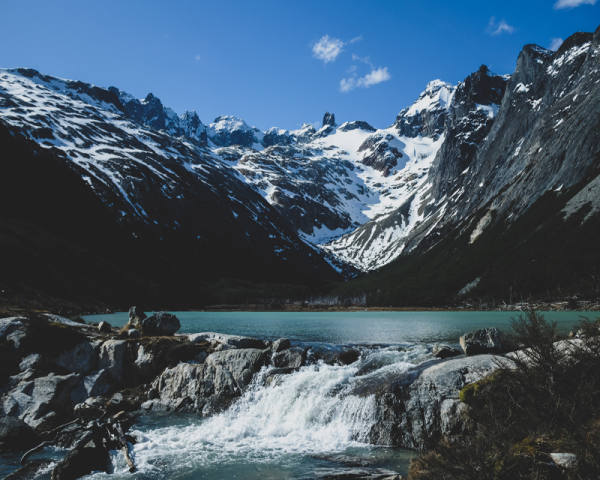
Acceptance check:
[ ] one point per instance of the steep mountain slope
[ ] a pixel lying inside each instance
(455, 119)
(544, 138)
(523, 214)
(155, 186)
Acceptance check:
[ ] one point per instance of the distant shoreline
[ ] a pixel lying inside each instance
(555, 307)
(583, 307)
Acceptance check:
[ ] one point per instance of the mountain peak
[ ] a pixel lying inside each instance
(329, 119)
(435, 86)
(150, 98)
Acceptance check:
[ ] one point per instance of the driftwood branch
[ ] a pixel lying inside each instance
(47, 443)
(54, 430)
(124, 447)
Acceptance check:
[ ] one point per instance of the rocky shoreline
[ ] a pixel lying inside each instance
(82, 386)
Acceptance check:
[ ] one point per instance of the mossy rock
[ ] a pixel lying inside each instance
(470, 391)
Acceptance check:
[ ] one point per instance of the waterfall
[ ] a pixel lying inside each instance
(312, 411)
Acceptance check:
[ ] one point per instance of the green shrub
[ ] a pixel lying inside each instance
(550, 402)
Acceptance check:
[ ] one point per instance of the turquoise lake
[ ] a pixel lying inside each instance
(350, 327)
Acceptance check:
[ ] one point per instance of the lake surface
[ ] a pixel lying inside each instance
(308, 424)
(350, 327)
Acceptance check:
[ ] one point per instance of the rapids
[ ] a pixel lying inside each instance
(294, 426)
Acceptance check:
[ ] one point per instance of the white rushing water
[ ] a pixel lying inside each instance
(305, 413)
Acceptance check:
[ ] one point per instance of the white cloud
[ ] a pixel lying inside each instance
(560, 4)
(347, 84)
(366, 60)
(327, 49)
(352, 69)
(355, 39)
(555, 44)
(373, 78)
(497, 28)
(197, 58)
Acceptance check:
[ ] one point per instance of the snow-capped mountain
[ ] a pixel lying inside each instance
(510, 208)
(151, 180)
(454, 120)
(346, 197)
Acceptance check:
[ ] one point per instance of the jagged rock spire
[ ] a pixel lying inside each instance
(329, 119)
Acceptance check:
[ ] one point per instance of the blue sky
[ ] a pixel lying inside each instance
(281, 63)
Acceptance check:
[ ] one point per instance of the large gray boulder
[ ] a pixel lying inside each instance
(209, 387)
(113, 358)
(291, 358)
(486, 340)
(16, 435)
(416, 407)
(96, 383)
(445, 351)
(242, 364)
(161, 324)
(80, 359)
(40, 399)
(235, 341)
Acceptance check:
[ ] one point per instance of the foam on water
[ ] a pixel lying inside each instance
(309, 412)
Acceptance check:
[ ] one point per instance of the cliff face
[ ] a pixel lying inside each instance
(507, 141)
(470, 118)
(520, 217)
(544, 139)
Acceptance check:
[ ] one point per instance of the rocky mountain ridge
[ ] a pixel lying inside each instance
(349, 197)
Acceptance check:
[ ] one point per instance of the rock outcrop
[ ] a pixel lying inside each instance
(42, 399)
(379, 153)
(445, 351)
(160, 324)
(80, 359)
(207, 372)
(329, 119)
(136, 317)
(487, 340)
(235, 341)
(209, 387)
(358, 124)
(417, 407)
(16, 435)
